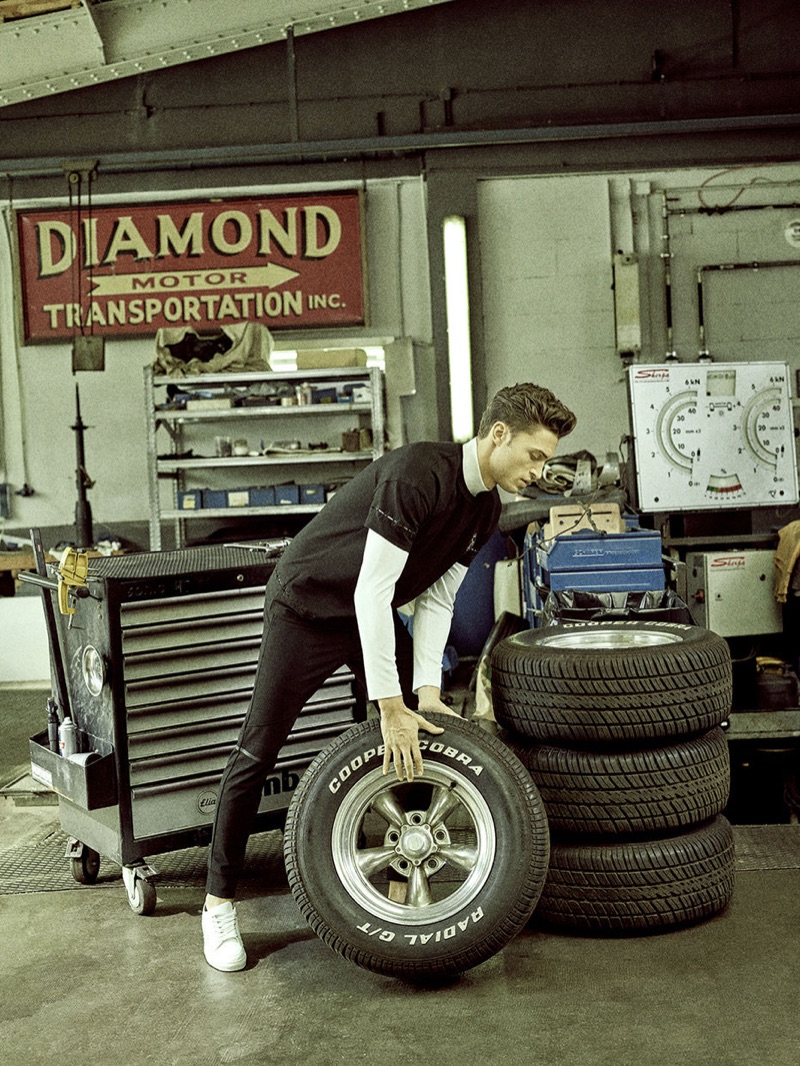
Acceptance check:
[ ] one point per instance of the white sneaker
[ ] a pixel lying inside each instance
(222, 941)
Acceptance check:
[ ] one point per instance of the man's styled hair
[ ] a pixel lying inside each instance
(525, 406)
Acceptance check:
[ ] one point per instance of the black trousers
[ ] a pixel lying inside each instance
(297, 655)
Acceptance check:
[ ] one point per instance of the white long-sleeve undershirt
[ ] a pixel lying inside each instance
(381, 567)
(433, 615)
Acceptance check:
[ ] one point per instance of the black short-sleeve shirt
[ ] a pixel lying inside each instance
(416, 498)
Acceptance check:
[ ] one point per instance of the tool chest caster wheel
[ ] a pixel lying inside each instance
(84, 862)
(140, 888)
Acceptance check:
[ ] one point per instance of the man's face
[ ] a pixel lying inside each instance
(517, 459)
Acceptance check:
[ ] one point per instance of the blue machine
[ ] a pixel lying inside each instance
(590, 562)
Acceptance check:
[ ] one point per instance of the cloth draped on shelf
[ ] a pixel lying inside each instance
(180, 352)
(786, 557)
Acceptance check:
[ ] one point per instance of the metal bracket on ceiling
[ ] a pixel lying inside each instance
(88, 6)
(78, 170)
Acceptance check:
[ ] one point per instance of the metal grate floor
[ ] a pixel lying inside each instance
(767, 847)
(39, 865)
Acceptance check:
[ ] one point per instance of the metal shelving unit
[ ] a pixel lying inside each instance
(175, 436)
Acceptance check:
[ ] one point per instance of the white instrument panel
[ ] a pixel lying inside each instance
(713, 435)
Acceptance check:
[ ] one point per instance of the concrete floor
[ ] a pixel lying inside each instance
(82, 978)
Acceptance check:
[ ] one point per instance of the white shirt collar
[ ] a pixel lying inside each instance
(471, 467)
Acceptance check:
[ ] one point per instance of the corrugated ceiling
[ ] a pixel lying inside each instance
(53, 46)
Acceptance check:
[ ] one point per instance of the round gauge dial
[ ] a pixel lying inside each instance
(764, 426)
(677, 430)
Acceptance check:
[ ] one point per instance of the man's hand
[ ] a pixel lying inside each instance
(400, 728)
(430, 701)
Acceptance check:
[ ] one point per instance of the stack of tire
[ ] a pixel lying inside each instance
(619, 724)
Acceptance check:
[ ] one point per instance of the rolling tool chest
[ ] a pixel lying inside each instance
(154, 663)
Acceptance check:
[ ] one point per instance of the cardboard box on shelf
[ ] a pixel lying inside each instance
(598, 517)
(322, 358)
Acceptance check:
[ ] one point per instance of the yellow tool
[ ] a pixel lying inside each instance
(73, 571)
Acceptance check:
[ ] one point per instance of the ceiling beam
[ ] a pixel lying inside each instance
(100, 42)
(406, 144)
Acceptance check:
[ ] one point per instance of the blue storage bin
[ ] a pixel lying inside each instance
(215, 498)
(190, 500)
(639, 580)
(287, 495)
(312, 494)
(262, 497)
(590, 562)
(600, 551)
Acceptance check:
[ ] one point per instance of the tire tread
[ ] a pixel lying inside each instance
(640, 886)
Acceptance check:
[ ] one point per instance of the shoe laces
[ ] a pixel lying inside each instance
(226, 925)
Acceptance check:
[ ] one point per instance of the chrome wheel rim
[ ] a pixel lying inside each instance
(609, 638)
(437, 835)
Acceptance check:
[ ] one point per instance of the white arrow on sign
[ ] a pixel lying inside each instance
(266, 277)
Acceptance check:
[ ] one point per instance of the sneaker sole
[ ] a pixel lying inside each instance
(226, 969)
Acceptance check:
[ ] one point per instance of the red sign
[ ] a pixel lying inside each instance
(285, 261)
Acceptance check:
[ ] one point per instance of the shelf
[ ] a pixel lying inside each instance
(238, 512)
(731, 540)
(228, 462)
(335, 373)
(764, 725)
(265, 411)
(179, 440)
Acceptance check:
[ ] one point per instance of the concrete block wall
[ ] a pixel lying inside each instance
(548, 307)
(547, 246)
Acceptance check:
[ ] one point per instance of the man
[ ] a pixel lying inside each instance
(404, 528)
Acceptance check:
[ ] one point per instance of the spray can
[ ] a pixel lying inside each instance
(68, 737)
(52, 725)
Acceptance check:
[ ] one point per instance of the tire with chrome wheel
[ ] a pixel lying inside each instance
(420, 880)
(604, 682)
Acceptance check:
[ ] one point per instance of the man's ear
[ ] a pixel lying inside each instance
(498, 433)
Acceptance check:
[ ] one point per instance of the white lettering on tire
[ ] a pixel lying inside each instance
(382, 934)
(434, 937)
(435, 748)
